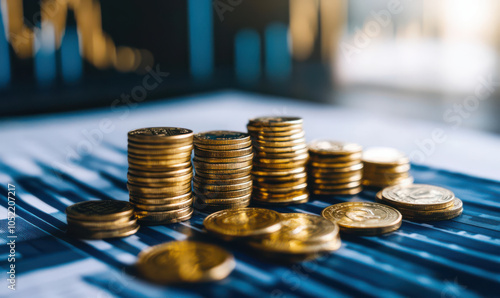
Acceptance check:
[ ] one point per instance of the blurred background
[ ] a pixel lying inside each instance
(426, 59)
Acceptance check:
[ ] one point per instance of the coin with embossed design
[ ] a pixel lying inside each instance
(221, 137)
(363, 218)
(100, 210)
(418, 196)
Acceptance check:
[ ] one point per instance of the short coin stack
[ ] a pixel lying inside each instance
(286, 237)
(385, 167)
(363, 218)
(279, 168)
(335, 168)
(422, 202)
(223, 164)
(101, 219)
(160, 174)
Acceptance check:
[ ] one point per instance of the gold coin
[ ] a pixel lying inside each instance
(158, 162)
(155, 190)
(262, 134)
(282, 172)
(363, 218)
(160, 181)
(148, 149)
(282, 179)
(221, 137)
(101, 225)
(288, 138)
(327, 175)
(213, 207)
(223, 176)
(278, 166)
(199, 179)
(281, 190)
(293, 199)
(264, 194)
(160, 174)
(338, 186)
(166, 207)
(275, 150)
(300, 234)
(273, 121)
(163, 217)
(184, 262)
(262, 154)
(384, 155)
(300, 158)
(100, 210)
(326, 147)
(103, 234)
(159, 200)
(242, 223)
(147, 157)
(418, 196)
(335, 159)
(158, 168)
(352, 168)
(160, 134)
(223, 187)
(223, 153)
(273, 129)
(225, 159)
(335, 165)
(272, 184)
(273, 144)
(244, 171)
(222, 194)
(228, 201)
(337, 192)
(160, 192)
(241, 145)
(377, 170)
(221, 166)
(377, 184)
(337, 180)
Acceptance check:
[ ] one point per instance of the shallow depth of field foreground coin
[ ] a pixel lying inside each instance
(242, 223)
(184, 262)
(363, 218)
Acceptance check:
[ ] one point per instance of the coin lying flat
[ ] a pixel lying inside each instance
(100, 210)
(242, 222)
(363, 218)
(221, 137)
(160, 134)
(275, 121)
(418, 196)
(184, 262)
(327, 147)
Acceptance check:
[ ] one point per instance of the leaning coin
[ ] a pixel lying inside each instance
(184, 262)
(242, 223)
(363, 218)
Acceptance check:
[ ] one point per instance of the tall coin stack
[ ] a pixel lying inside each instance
(385, 167)
(335, 168)
(279, 168)
(160, 174)
(223, 164)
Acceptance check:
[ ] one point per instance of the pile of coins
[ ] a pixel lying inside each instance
(223, 164)
(363, 218)
(279, 167)
(422, 202)
(160, 174)
(335, 168)
(385, 167)
(184, 262)
(288, 237)
(101, 219)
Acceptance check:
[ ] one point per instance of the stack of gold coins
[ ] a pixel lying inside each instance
(385, 167)
(160, 174)
(335, 168)
(280, 236)
(101, 219)
(279, 168)
(363, 218)
(422, 202)
(184, 262)
(223, 164)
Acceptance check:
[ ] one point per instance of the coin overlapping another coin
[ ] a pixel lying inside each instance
(363, 218)
(279, 168)
(279, 236)
(223, 162)
(101, 219)
(384, 166)
(335, 168)
(160, 174)
(422, 202)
